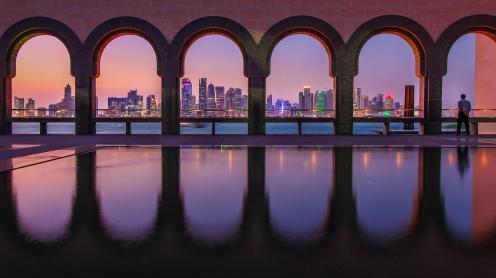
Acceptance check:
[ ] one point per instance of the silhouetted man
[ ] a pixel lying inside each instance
(464, 108)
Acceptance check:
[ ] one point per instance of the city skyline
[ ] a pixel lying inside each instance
(130, 62)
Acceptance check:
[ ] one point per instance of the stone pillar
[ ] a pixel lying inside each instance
(85, 206)
(431, 205)
(343, 85)
(343, 204)
(6, 105)
(256, 223)
(431, 100)
(170, 105)
(256, 105)
(171, 206)
(85, 105)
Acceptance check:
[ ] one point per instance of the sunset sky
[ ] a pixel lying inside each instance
(129, 62)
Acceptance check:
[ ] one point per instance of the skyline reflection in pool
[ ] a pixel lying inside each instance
(178, 209)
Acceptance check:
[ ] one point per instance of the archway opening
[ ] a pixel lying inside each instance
(299, 85)
(128, 85)
(213, 85)
(387, 85)
(471, 66)
(43, 86)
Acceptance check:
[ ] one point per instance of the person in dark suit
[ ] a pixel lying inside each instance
(464, 108)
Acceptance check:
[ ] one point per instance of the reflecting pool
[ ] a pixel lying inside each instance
(259, 211)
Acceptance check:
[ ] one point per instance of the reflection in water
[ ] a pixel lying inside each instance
(469, 193)
(386, 187)
(377, 189)
(44, 196)
(299, 186)
(128, 186)
(213, 184)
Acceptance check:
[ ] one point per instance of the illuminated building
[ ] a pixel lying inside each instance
(269, 103)
(330, 99)
(211, 104)
(388, 103)
(220, 95)
(19, 106)
(230, 99)
(364, 102)
(308, 98)
(151, 105)
(30, 106)
(202, 94)
(321, 101)
(238, 99)
(357, 98)
(186, 94)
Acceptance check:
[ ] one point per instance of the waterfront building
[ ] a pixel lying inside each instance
(30, 108)
(357, 98)
(389, 102)
(19, 106)
(211, 104)
(220, 97)
(186, 94)
(202, 93)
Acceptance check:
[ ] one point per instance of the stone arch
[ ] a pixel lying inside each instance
(207, 26)
(409, 30)
(329, 37)
(481, 24)
(19, 33)
(119, 26)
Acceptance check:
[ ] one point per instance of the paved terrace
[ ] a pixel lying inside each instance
(18, 151)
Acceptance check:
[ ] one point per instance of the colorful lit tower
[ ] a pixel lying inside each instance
(186, 94)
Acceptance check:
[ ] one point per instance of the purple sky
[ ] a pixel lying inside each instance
(386, 66)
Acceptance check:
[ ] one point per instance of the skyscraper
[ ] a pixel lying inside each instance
(19, 106)
(230, 99)
(245, 103)
(211, 105)
(219, 92)
(202, 94)
(389, 102)
(68, 101)
(308, 97)
(364, 102)
(186, 93)
(301, 100)
(357, 98)
(151, 105)
(321, 101)
(238, 99)
(221, 98)
(30, 106)
(269, 103)
(330, 100)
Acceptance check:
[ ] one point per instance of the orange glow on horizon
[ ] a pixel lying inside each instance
(42, 71)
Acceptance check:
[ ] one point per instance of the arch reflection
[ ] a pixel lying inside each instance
(299, 185)
(468, 192)
(213, 184)
(386, 188)
(44, 195)
(128, 189)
